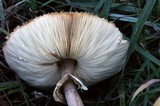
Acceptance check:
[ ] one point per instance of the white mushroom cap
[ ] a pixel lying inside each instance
(33, 49)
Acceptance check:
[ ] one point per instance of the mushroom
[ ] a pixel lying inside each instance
(70, 50)
(157, 102)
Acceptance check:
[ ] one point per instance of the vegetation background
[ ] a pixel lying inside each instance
(138, 20)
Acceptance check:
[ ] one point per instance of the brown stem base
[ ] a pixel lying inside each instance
(71, 94)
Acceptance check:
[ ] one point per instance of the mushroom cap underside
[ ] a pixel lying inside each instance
(34, 48)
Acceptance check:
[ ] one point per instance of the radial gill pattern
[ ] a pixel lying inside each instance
(34, 48)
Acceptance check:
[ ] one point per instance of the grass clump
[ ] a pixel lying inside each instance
(139, 22)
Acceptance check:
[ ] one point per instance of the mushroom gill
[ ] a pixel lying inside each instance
(41, 50)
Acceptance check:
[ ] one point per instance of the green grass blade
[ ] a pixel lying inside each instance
(139, 25)
(146, 54)
(86, 4)
(2, 15)
(155, 74)
(126, 7)
(3, 31)
(46, 3)
(142, 18)
(99, 5)
(9, 85)
(146, 98)
(131, 19)
(158, 8)
(121, 91)
(106, 8)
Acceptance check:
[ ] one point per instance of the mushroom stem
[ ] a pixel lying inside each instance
(72, 97)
